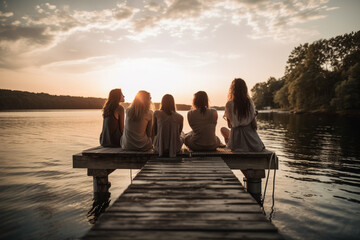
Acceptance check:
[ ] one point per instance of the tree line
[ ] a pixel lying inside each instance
(12, 100)
(323, 76)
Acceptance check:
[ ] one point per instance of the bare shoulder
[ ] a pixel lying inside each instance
(149, 114)
(119, 109)
(157, 113)
(179, 116)
(213, 110)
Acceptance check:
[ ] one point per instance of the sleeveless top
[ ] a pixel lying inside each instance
(203, 126)
(134, 136)
(110, 134)
(167, 139)
(243, 137)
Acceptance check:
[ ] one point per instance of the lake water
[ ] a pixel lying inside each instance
(42, 197)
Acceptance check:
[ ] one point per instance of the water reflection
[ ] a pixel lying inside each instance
(101, 198)
(318, 146)
(101, 202)
(43, 197)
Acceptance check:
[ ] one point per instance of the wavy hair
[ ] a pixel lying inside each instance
(238, 93)
(112, 102)
(139, 106)
(201, 101)
(168, 104)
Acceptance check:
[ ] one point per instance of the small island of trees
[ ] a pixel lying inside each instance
(323, 76)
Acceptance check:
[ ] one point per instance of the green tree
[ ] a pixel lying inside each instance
(348, 91)
(263, 93)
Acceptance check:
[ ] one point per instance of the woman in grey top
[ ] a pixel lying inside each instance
(202, 121)
(138, 124)
(113, 119)
(167, 128)
(240, 115)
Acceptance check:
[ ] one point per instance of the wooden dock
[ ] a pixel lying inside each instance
(195, 197)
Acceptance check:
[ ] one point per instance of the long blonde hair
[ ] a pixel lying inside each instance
(139, 106)
(112, 102)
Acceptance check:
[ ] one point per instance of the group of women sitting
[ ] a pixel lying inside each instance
(143, 129)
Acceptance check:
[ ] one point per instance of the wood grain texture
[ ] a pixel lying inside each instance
(117, 158)
(189, 198)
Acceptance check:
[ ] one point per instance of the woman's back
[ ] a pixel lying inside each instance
(135, 133)
(110, 134)
(203, 126)
(240, 115)
(168, 127)
(232, 115)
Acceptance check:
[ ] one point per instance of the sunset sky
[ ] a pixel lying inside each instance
(88, 47)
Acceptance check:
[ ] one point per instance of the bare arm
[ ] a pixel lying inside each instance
(228, 123)
(216, 116)
(226, 115)
(154, 128)
(181, 124)
(149, 128)
(120, 116)
(254, 122)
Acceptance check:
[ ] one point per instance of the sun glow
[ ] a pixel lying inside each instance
(155, 75)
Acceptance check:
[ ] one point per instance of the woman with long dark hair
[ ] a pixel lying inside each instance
(240, 115)
(138, 124)
(202, 121)
(113, 119)
(167, 128)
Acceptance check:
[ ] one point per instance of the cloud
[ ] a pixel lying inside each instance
(279, 19)
(153, 7)
(51, 25)
(6, 14)
(81, 65)
(51, 7)
(123, 12)
(184, 9)
(34, 34)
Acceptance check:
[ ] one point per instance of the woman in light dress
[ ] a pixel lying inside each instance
(202, 121)
(167, 128)
(113, 119)
(138, 124)
(240, 115)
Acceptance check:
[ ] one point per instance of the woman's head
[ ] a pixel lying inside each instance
(238, 93)
(201, 101)
(168, 104)
(140, 105)
(238, 89)
(115, 97)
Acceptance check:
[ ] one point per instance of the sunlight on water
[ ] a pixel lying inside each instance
(42, 196)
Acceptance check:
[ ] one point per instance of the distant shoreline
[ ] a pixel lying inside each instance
(12, 100)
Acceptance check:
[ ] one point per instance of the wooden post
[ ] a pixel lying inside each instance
(101, 182)
(101, 187)
(252, 182)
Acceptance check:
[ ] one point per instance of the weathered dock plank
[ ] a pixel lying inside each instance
(117, 158)
(184, 199)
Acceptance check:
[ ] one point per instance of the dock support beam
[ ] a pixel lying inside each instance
(101, 182)
(252, 182)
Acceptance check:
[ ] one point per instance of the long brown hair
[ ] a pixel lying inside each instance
(238, 93)
(201, 101)
(140, 105)
(168, 104)
(112, 102)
